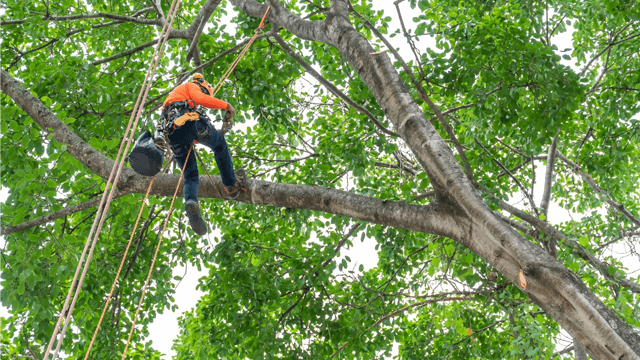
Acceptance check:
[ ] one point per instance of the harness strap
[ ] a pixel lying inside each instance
(202, 88)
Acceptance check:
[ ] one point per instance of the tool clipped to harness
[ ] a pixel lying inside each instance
(146, 158)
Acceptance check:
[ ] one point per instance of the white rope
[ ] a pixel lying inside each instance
(104, 205)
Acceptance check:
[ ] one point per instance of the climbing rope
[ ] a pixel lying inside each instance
(104, 205)
(155, 255)
(105, 201)
(226, 76)
(241, 55)
(124, 257)
(207, 171)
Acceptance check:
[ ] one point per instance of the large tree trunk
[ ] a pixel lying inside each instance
(550, 285)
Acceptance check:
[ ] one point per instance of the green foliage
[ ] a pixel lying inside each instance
(276, 288)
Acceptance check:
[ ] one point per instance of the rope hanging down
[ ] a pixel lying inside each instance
(218, 86)
(105, 201)
(153, 262)
(241, 55)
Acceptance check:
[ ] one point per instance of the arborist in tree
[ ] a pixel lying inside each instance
(185, 124)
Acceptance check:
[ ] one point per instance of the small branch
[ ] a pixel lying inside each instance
(524, 190)
(597, 189)
(306, 290)
(392, 166)
(341, 243)
(128, 52)
(425, 195)
(517, 225)
(340, 349)
(611, 44)
(56, 215)
(420, 303)
(201, 19)
(99, 15)
(562, 352)
(548, 180)
(452, 110)
(328, 84)
(285, 164)
(521, 165)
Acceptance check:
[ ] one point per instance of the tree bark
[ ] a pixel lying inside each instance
(551, 286)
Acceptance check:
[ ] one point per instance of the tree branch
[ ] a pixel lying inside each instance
(597, 189)
(99, 15)
(201, 19)
(56, 215)
(172, 35)
(304, 29)
(423, 96)
(341, 243)
(548, 180)
(328, 84)
(429, 219)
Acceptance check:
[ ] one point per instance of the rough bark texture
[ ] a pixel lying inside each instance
(553, 287)
(580, 352)
(432, 219)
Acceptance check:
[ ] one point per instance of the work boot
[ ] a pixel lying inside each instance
(241, 180)
(195, 219)
(158, 138)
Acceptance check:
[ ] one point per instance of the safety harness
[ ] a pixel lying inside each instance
(177, 113)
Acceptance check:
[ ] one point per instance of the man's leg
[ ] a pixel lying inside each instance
(209, 136)
(180, 150)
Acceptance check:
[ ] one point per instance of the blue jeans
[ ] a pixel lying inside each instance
(181, 139)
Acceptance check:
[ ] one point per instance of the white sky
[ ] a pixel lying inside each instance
(165, 328)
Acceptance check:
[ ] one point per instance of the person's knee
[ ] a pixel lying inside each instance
(220, 146)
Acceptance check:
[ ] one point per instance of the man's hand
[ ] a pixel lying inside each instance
(231, 112)
(227, 123)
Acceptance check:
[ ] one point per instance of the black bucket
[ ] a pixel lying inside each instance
(145, 157)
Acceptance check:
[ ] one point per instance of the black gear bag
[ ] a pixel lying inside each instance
(145, 157)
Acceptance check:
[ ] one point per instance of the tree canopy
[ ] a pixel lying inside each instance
(346, 141)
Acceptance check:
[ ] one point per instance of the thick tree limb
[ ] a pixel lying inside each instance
(99, 15)
(548, 179)
(423, 95)
(552, 232)
(431, 219)
(56, 215)
(328, 84)
(552, 286)
(304, 29)
(199, 23)
(597, 189)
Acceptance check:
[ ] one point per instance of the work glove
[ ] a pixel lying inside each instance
(227, 123)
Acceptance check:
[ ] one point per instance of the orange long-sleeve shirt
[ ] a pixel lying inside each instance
(191, 91)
